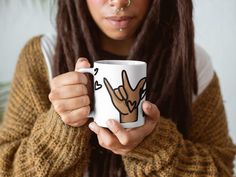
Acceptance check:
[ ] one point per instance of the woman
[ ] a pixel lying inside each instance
(46, 131)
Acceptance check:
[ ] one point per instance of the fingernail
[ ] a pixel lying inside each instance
(148, 105)
(82, 59)
(91, 126)
(110, 123)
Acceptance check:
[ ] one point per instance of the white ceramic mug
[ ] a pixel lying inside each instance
(119, 90)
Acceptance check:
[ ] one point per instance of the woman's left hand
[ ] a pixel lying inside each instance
(121, 141)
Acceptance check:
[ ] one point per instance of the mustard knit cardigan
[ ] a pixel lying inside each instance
(34, 142)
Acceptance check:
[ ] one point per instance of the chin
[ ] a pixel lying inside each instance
(119, 35)
(119, 38)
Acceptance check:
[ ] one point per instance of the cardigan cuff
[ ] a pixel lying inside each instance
(158, 148)
(56, 128)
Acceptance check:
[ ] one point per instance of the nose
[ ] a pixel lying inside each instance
(119, 3)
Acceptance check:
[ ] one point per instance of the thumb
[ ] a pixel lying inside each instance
(151, 110)
(82, 63)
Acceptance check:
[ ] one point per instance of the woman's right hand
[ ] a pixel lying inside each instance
(69, 95)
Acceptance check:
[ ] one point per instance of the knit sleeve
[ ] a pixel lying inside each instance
(33, 139)
(208, 151)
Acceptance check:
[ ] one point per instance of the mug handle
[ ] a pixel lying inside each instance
(91, 71)
(86, 70)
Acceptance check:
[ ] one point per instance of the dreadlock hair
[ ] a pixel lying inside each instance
(165, 42)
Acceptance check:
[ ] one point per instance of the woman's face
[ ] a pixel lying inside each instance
(118, 19)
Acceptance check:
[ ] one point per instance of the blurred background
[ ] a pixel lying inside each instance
(215, 30)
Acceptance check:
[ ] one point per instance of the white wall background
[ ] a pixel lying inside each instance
(215, 25)
(19, 21)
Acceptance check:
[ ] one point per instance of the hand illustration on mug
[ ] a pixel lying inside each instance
(126, 99)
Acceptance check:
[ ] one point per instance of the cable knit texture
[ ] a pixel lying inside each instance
(35, 142)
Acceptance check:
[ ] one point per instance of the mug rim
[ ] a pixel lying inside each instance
(120, 62)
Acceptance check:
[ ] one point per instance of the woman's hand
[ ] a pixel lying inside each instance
(121, 141)
(69, 96)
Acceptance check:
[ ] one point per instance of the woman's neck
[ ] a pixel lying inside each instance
(117, 47)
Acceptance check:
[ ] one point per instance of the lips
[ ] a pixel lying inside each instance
(119, 21)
